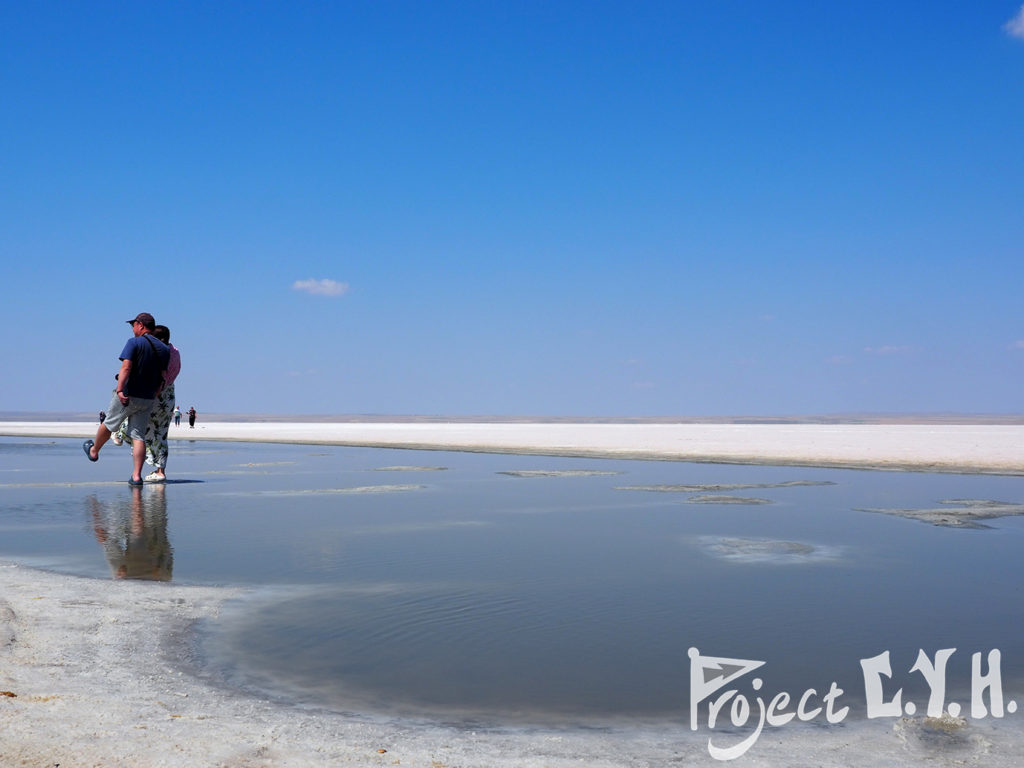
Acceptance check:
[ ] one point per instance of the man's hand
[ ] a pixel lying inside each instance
(122, 380)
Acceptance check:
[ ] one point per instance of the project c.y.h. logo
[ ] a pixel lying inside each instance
(714, 695)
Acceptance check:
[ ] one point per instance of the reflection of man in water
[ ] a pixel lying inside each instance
(133, 533)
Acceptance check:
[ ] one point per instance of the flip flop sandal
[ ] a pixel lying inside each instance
(132, 481)
(87, 447)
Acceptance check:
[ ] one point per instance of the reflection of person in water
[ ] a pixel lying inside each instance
(133, 533)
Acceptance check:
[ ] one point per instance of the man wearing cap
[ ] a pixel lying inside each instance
(143, 362)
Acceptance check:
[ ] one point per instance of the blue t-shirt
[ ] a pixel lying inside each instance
(149, 361)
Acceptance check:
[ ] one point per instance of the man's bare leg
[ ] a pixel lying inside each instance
(102, 435)
(138, 459)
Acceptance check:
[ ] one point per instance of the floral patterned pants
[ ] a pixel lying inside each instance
(157, 429)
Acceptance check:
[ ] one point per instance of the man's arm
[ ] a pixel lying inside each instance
(122, 380)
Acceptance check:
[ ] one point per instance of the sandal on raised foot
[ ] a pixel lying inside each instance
(154, 477)
(87, 447)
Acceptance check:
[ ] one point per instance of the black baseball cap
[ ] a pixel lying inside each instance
(145, 318)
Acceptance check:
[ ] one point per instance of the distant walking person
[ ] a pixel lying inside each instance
(177, 416)
(192, 417)
(143, 362)
(160, 418)
(103, 415)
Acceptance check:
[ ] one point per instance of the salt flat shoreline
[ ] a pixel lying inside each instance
(955, 448)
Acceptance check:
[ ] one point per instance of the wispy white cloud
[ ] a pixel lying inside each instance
(887, 349)
(323, 287)
(1015, 26)
(1019, 344)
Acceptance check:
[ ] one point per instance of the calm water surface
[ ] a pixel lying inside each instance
(434, 583)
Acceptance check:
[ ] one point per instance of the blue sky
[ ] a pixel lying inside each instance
(529, 208)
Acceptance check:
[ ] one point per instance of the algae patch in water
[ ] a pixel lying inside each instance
(712, 499)
(712, 487)
(557, 472)
(958, 513)
(410, 469)
(767, 551)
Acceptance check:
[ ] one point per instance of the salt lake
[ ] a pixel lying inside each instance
(476, 588)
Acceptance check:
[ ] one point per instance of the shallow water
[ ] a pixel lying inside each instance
(532, 588)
